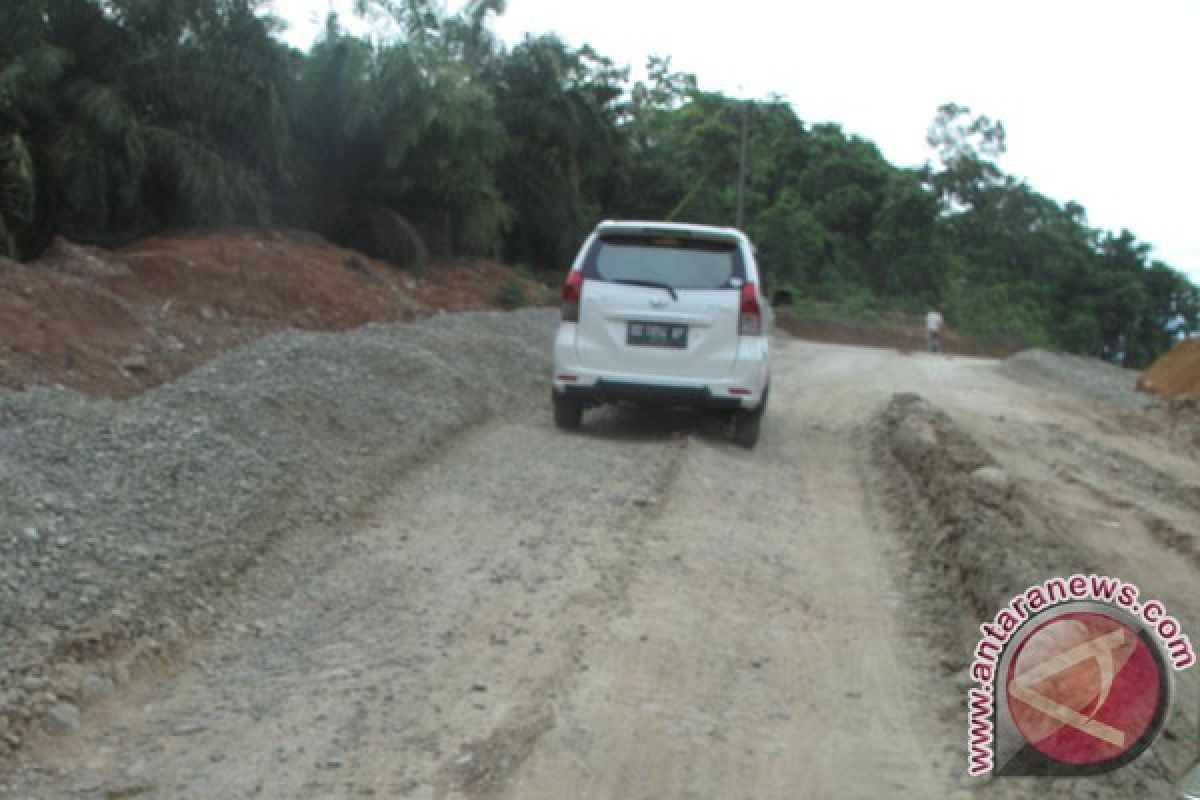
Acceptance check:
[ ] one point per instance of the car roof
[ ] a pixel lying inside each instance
(680, 228)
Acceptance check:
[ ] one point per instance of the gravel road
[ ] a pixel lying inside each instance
(643, 610)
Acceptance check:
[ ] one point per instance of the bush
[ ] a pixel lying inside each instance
(860, 304)
(393, 238)
(510, 295)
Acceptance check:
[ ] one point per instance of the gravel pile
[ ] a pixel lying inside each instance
(120, 523)
(1090, 377)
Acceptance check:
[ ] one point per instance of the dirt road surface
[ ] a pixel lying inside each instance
(642, 610)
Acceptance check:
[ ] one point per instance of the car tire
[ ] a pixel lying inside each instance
(568, 412)
(747, 425)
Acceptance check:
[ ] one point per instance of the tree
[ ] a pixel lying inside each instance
(966, 148)
(564, 162)
(129, 116)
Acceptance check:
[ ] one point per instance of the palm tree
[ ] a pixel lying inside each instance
(123, 117)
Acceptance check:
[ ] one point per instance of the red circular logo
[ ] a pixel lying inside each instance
(1084, 688)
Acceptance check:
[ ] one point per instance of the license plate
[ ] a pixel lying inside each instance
(657, 334)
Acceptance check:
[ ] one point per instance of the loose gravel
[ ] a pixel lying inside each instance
(121, 522)
(1090, 377)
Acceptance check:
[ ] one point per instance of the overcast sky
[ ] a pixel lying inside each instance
(1098, 97)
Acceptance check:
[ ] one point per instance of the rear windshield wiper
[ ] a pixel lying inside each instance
(652, 284)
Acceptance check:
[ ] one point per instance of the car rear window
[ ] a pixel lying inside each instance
(676, 261)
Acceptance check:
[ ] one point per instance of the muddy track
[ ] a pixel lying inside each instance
(644, 610)
(975, 543)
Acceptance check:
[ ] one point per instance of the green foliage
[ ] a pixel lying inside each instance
(122, 117)
(393, 238)
(511, 295)
(859, 304)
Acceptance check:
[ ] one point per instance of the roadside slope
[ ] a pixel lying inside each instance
(116, 322)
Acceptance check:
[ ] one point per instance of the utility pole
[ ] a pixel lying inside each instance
(741, 186)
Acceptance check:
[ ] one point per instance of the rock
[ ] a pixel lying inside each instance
(994, 481)
(33, 683)
(188, 727)
(127, 788)
(95, 687)
(86, 786)
(1184, 402)
(917, 434)
(135, 362)
(120, 673)
(62, 717)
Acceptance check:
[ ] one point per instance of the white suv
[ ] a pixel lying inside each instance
(664, 314)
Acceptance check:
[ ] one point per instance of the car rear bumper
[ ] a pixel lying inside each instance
(606, 391)
(742, 386)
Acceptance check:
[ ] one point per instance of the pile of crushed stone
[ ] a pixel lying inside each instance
(1089, 377)
(1175, 376)
(123, 522)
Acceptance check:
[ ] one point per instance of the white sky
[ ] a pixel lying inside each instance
(1094, 95)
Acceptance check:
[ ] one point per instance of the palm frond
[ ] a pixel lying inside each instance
(17, 180)
(211, 188)
(100, 108)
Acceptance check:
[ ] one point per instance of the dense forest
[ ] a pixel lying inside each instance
(119, 118)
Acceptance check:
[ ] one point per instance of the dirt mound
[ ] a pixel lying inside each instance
(477, 285)
(1175, 374)
(116, 322)
(963, 512)
(975, 538)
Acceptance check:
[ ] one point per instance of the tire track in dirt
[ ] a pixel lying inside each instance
(980, 546)
(765, 654)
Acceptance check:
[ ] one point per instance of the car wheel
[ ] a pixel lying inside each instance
(568, 411)
(748, 424)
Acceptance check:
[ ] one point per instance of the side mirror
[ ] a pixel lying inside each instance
(1189, 789)
(781, 298)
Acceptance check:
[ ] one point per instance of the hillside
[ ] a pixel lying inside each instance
(114, 322)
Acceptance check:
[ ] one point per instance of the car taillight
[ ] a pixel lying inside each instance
(750, 316)
(572, 291)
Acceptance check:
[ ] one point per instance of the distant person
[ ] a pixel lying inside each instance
(933, 331)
